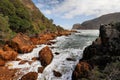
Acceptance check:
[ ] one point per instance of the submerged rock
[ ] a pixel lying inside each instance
(57, 74)
(45, 56)
(30, 76)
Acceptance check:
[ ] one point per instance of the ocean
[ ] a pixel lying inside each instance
(71, 47)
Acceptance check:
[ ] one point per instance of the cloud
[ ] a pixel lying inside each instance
(68, 9)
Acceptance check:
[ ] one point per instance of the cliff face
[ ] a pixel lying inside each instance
(23, 16)
(105, 19)
(76, 26)
(102, 57)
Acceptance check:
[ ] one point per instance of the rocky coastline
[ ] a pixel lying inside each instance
(101, 60)
(23, 44)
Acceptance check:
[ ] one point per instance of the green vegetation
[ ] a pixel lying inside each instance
(22, 16)
(5, 31)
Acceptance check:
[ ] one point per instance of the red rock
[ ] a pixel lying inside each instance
(81, 71)
(57, 74)
(2, 62)
(30, 76)
(45, 56)
(7, 48)
(23, 62)
(8, 74)
(8, 55)
(35, 40)
(18, 59)
(40, 69)
(21, 43)
(35, 58)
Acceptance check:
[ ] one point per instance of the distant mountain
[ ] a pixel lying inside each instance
(95, 23)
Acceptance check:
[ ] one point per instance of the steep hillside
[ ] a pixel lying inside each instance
(105, 19)
(24, 16)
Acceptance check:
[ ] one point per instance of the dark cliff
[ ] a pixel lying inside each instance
(101, 60)
(104, 19)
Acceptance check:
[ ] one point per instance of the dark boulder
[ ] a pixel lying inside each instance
(30, 76)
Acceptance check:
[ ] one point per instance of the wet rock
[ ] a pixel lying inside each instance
(30, 76)
(50, 42)
(70, 59)
(57, 53)
(21, 43)
(40, 69)
(18, 59)
(81, 71)
(23, 62)
(45, 56)
(35, 58)
(57, 74)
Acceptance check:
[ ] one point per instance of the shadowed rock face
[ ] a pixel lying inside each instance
(104, 50)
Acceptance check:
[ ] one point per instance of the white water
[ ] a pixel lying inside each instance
(68, 46)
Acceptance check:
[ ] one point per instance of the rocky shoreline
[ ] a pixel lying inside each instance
(22, 43)
(101, 60)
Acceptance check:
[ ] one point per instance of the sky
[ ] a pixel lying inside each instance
(68, 12)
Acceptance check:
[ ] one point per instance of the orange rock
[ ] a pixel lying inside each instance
(8, 74)
(35, 58)
(8, 55)
(23, 62)
(81, 71)
(2, 62)
(21, 43)
(35, 40)
(45, 56)
(30, 76)
(7, 48)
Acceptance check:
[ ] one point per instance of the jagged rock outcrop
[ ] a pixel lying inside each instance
(105, 50)
(104, 19)
(21, 43)
(45, 56)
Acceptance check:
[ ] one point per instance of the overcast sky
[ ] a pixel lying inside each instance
(68, 12)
